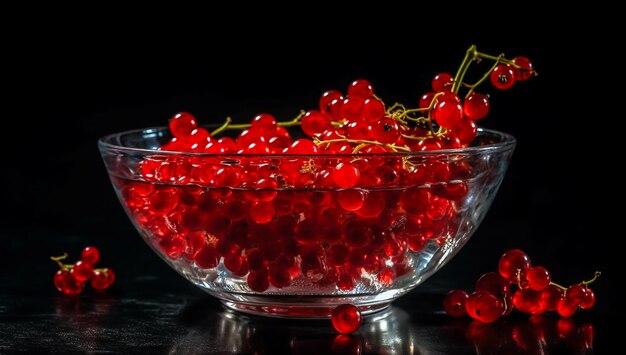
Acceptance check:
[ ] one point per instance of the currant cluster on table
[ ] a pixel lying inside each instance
(518, 285)
(339, 209)
(70, 279)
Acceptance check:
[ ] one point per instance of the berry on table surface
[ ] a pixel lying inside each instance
(346, 318)
(519, 286)
(70, 279)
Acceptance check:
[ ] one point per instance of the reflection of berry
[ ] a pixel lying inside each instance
(71, 278)
(535, 292)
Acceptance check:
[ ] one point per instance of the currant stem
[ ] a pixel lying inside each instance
(361, 142)
(585, 283)
(58, 259)
(228, 126)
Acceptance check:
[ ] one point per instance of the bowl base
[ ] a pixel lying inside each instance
(296, 311)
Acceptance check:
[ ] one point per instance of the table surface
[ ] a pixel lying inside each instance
(152, 309)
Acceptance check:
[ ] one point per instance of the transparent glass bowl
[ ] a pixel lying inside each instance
(273, 235)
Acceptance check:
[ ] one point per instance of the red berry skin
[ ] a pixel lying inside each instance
(66, 283)
(589, 300)
(91, 255)
(346, 175)
(361, 88)
(511, 261)
(525, 70)
(442, 82)
(454, 303)
(538, 278)
(550, 297)
(102, 279)
(502, 77)
(565, 308)
(346, 318)
(484, 307)
(448, 113)
(476, 106)
(528, 301)
(82, 271)
(182, 124)
(493, 283)
(575, 294)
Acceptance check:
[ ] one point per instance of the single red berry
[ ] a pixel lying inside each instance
(373, 110)
(476, 106)
(575, 294)
(484, 306)
(258, 280)
(512, 261)
(346, 318)
(328, 98)
(589, 300)
(346, 175)
(91, 255)
(264, 122)
(314, 123)
(82, 271)
(525, 70)
(66, 283)
(528, 301)
(565, 308)
(502, 77)
(102, 279)
(448, 113)
(442, 82)
(538, 278)
(361, 88)
(454, 303)
(182, 124)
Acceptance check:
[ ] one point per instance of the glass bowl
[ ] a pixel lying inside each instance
(275, 235)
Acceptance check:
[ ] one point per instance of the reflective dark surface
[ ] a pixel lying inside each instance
(152, 309)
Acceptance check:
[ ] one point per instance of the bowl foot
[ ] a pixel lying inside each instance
(316, 311)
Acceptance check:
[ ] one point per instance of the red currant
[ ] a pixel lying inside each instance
(102, 279)
(182, 124)
(511, 262)
(454, 303)
(82, 271)
(91, 255)
(476, 106)
(538, 278)
(484, 306)
(346, 318)
(502, 77)
(525, 70)
(442, 82)
(361, 88)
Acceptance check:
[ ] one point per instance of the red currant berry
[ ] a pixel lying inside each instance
(502, 77)
(361, 88)
(538, 278)
(258, 280)
(511, 262)
(589, 300)
(182, 124)
(484, 306)
(575, 294)
(102, 279)
(91, 255)
(386, 130)
(493, 283)
(263, 122)
(82, 271)
(454, 303)
(346, 175)
(565, 308)
(525, 70)
(314, 123)
(328, 98)
(346, 318)
(65, 282)
(448, 113)
(476, 106)
(442, 82)
(373, 110)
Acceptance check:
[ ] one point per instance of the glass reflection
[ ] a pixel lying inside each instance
(213, 328)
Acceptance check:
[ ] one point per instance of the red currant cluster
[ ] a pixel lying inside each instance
(71, 278)
(321, 198)
(535, 292)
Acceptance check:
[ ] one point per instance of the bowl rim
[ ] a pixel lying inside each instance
(105, 143)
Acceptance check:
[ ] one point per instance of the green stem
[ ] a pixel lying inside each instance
(58, 259)
(470, 56)
(228, 126)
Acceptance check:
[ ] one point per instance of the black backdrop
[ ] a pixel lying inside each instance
(77, 84)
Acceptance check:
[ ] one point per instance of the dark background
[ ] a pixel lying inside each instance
(78, 82)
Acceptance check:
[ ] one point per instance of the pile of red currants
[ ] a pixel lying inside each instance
(71, 278)
(340, 208)
(517, 284)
